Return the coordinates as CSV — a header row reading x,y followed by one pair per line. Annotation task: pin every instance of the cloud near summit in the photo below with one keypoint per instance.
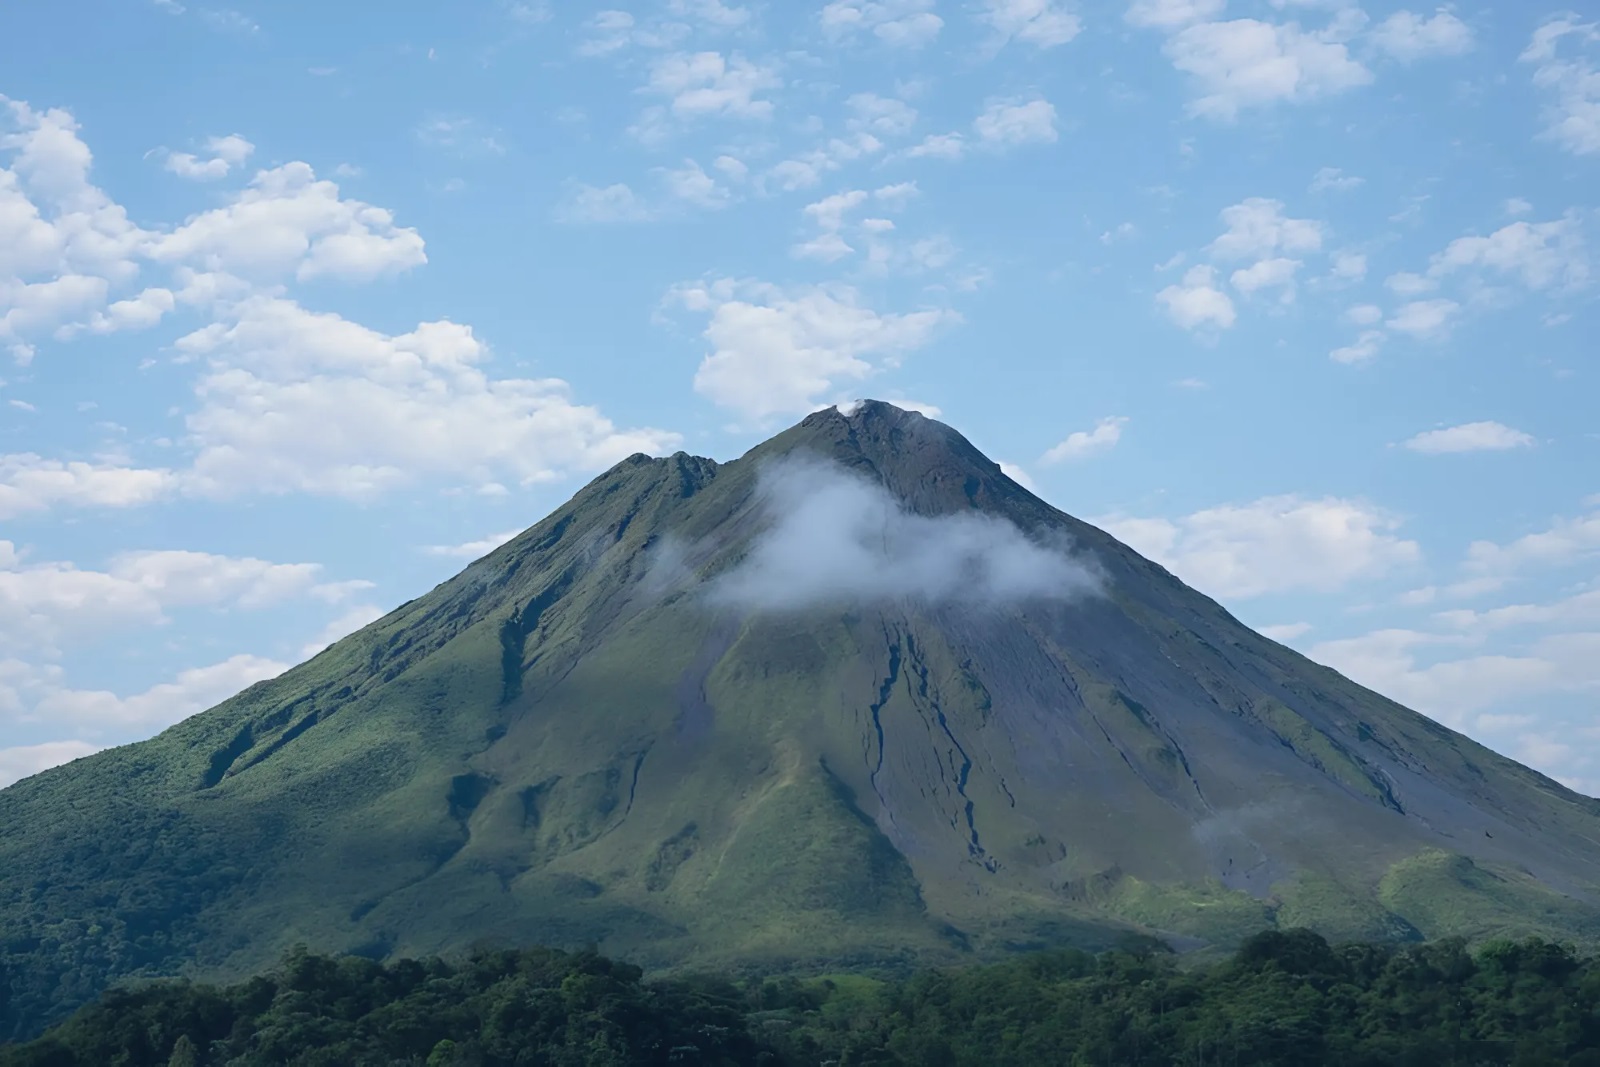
x,y
836,537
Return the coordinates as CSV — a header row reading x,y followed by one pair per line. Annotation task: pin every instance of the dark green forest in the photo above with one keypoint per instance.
x,y
1283,998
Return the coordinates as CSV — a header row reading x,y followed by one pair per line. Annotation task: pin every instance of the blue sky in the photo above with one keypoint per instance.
x,y
303,306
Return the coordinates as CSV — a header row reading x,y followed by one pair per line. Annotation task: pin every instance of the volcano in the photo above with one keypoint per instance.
x,y
853,699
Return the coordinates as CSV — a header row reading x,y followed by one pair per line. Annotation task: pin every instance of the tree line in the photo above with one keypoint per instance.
x,y
1284,997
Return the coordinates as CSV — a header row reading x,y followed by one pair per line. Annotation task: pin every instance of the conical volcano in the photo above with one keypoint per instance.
x,y
854,698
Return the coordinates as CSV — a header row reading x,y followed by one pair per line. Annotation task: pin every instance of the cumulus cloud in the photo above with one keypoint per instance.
x,y
290,223
1469,437
1285,632
64,244
1245,63
882,115
1454,690
898,23
1275,273
1016,122
1196,302
44,603
1084,443
1408,36
704,84
357,411
192,691
472,549
342,626
1541,255
612,203
1272,545
808,168
777,351
1428,320
1172,14
24,761
222,154
1257,226
29,482
836,538
1041,23
1364,348
1570,81
1564,542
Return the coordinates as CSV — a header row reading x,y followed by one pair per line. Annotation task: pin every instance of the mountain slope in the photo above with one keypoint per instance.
x,y
854,698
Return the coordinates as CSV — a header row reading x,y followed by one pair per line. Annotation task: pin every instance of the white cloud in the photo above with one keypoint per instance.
x,y
939,146
607,32
1454,690
1540,255
1018,475
807,169
473,549
1469,437
1572,118
1016,122
613,203
1348,266
1257,226
1567,541
1196,302
162,705
1579,609
1363,314
178,577
223,155
1405,283
690,184
64,245
289,223
1172,14
342,626
882,115
1119,232
1518,206
1286,632
44,604
1408,36
1428,320
776,351
29,482
836,537
828,213
1084,443
1365,347
139,312
1276,273
1332,179
1042,23
1272,545
709,84
357,411
899,23
23,761
1246,63
711,12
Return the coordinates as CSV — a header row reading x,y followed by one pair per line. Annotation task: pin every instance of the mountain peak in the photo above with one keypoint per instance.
x,y
763,713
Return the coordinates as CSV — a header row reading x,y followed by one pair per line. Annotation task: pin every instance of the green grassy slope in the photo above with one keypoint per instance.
x,y
564,745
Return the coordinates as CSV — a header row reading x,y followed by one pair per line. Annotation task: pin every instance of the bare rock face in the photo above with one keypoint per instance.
x,y
854,698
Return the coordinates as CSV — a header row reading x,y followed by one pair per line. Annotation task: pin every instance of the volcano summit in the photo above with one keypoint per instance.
x,y
856,697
